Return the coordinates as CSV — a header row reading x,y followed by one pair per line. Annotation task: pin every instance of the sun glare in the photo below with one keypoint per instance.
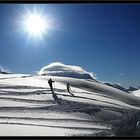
x,y
35,24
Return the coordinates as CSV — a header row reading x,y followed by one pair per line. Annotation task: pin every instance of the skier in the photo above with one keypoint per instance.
x,y
68,89
50,84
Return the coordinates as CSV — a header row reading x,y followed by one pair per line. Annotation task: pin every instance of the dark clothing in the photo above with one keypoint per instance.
x,y
55,97
50,84
68,89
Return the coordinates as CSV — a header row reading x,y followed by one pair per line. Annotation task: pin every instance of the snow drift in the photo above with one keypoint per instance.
x,y
96,109
60,69
136,93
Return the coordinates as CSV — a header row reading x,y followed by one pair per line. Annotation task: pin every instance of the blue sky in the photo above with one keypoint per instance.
x,y
101,38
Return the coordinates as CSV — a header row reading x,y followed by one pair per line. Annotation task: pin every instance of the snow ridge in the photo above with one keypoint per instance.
x,y
60,69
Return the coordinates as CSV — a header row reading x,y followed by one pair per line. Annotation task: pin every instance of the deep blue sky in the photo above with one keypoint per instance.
x,y
101,38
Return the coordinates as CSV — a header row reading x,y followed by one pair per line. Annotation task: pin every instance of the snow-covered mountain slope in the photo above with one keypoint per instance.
x,y
90,86
99,88
27,104
60,69
5,76
117,86
136,93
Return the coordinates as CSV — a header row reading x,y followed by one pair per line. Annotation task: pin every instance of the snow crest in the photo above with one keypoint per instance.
x,y
60,69
136,93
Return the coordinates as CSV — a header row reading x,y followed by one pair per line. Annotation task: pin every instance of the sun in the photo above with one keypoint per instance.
x,y
35,24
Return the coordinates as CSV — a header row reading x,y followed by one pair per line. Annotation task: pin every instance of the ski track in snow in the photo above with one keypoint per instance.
x,y
26,102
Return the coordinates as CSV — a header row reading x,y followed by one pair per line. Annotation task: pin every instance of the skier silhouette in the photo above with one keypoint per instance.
x,y
68,89
50,84
54,95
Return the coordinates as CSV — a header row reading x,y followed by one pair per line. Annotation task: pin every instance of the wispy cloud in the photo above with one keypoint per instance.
x,y
122,74
4,69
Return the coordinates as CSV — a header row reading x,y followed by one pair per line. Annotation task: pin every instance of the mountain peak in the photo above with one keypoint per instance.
x,y
60,69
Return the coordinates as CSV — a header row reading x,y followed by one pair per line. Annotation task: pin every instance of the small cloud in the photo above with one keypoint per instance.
x,y
122,74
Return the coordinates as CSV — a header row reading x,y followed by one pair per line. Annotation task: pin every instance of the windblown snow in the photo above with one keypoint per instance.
x,y
60,69
27,107
136,93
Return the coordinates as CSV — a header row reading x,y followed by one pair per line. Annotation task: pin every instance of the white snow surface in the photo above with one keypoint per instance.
x,y
136,93
27,107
